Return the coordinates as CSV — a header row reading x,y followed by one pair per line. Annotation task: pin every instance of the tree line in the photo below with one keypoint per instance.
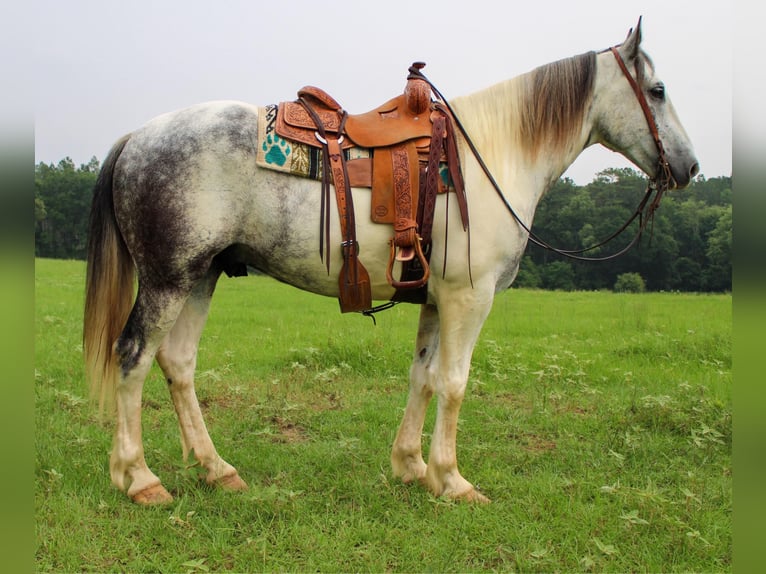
x,y
687,247
63,194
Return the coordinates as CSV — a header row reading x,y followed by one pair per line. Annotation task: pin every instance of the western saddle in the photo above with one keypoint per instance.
x,y
409,138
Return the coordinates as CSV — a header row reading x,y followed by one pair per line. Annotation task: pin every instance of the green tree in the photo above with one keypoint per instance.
x,y
529,274
683,248
62,203
718,272
558,276
629,283
40,212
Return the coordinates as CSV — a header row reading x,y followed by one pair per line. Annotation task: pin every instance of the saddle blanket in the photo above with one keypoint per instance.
x,y
277,153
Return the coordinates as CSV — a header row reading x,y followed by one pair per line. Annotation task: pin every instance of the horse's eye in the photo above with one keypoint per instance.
x,y
658,92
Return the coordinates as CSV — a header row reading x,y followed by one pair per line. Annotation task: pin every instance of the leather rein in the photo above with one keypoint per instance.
x,y
646,208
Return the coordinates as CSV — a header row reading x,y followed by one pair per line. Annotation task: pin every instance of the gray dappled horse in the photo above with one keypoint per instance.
x,y
181,199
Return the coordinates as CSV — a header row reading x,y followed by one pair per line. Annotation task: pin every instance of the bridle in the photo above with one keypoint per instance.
x,y
657,186
664,177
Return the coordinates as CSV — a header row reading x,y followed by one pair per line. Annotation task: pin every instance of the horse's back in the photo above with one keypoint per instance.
x,y
171,146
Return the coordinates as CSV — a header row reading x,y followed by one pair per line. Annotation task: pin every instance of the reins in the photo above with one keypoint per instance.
x,y
644,211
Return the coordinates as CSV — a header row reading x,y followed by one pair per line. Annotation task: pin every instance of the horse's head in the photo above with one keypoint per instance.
x,y
621,123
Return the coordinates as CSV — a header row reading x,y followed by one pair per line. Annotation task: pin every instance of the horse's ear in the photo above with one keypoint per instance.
x,y
629,48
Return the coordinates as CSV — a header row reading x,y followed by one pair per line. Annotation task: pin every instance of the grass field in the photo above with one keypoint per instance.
x,y
599,424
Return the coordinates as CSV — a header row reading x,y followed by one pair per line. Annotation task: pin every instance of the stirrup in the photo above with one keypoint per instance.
x,y
416,283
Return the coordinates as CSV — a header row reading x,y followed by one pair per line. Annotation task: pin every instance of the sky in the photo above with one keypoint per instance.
x,y
100,69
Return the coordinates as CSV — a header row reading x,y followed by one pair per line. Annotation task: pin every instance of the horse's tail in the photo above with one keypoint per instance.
x,y
109,286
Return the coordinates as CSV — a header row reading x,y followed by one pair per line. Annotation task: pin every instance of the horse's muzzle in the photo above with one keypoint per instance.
x,y
682,177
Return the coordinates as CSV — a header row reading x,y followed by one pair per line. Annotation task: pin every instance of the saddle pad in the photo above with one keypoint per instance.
x,y
276,153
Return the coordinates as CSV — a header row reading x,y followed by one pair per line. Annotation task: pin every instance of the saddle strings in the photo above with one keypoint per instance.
x,y
324,213
659,185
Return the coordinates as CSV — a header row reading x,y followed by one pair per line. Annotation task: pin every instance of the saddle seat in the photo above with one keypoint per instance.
x,y
407,136
403,118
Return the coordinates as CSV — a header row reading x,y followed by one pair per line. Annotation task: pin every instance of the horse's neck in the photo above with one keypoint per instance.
x,y
493,121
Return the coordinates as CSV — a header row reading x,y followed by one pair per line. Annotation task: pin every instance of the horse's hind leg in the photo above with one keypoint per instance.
x,y
406,455
177,356
153,314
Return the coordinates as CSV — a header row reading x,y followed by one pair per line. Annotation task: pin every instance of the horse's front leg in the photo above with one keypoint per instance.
x,y
462,315
406,454
177,356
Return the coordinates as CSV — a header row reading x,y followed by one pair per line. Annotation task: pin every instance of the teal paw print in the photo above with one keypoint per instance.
x,y
277,150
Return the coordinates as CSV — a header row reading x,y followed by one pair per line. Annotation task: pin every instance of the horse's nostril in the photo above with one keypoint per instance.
x,y
695,169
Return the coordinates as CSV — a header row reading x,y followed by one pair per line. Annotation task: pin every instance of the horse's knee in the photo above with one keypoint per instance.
x,y
423,376
450,393
421,387
178,376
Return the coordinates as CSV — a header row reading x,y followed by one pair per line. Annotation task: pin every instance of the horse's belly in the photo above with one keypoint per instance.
x,y
282,233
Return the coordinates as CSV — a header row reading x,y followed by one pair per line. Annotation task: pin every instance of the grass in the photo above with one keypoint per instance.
x,y
598,423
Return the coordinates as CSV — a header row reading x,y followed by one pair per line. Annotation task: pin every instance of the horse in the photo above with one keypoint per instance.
x,y
181,199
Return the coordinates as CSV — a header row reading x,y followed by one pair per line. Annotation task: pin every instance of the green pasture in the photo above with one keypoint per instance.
x,y
598,423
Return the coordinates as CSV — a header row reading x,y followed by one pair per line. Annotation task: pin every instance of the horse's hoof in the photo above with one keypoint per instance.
x,y
152,496
411,477
472,496
475,497
415,471
232,482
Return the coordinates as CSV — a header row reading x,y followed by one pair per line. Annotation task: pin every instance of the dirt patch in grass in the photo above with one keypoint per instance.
x,y
533,443
287,431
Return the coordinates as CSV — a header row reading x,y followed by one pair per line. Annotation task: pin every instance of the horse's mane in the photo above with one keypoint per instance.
x,y
542,109
553,100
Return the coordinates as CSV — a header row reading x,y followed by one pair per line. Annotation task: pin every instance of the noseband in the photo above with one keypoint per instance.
x,y
662,181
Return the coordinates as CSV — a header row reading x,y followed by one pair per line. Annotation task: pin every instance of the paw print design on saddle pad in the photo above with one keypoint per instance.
x,y
277,150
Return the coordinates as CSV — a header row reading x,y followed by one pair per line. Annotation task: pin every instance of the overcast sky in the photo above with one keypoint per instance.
x,y
102,68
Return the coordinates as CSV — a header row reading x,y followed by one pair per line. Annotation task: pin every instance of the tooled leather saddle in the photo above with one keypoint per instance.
x,y
410,138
